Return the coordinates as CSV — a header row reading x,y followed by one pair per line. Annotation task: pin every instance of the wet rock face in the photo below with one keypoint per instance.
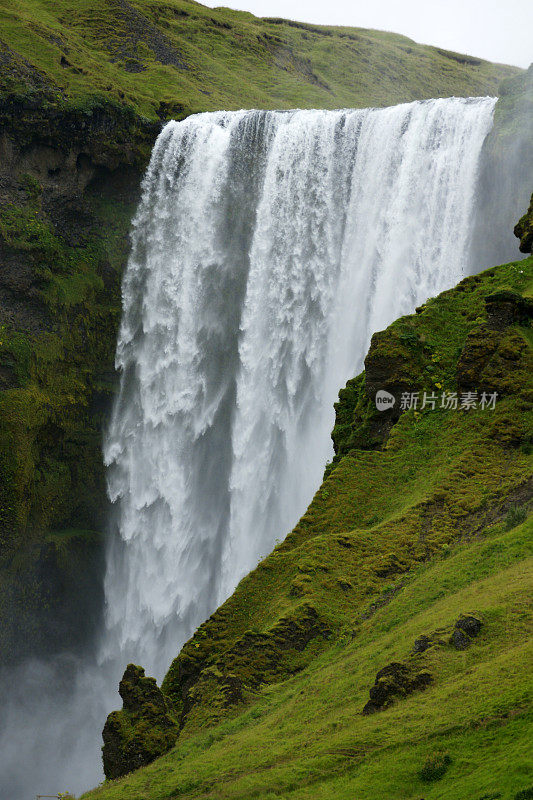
x,y
395,681
524,230
142,731
465,630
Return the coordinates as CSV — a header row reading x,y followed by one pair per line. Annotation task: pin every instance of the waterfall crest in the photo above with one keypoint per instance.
x,y
267,248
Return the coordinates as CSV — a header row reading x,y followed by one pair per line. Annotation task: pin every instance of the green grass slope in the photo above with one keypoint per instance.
x,y
173,57
423,517
306,738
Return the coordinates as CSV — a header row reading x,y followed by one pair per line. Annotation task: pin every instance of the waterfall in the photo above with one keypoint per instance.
x,y
267,248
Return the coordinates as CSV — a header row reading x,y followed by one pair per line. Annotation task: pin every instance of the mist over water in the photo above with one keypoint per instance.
x,y
267,248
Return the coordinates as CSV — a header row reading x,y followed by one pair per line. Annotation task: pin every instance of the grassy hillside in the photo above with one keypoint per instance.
x,y
307,738
173,57
422,521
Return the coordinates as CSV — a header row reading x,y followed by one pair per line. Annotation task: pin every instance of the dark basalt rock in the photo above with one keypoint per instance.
x,y
395,681
422,644
523,230
524,794
506,308
465,630
142,731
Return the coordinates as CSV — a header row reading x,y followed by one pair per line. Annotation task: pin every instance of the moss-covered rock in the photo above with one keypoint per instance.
x,y
506,308
524,230
232,675
68,191
465,631
142,731
393,682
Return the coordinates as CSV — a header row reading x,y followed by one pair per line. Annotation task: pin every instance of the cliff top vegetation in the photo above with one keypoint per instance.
x,y
168,58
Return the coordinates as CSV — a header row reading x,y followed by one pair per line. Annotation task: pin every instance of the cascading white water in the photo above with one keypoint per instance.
x,y
267,248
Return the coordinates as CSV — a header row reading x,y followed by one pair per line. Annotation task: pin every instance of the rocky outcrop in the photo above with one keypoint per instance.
x,y
494,352
524,230
142,731
69,181
465,631
506,308
393,682
252,660
400,679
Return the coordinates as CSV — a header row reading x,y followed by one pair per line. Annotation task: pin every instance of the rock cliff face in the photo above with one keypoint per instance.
x,y
68,185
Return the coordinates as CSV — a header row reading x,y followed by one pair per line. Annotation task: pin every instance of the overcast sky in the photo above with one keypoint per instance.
x,y
498,30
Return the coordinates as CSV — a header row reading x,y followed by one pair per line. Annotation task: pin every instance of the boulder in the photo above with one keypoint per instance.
x,y
422,644
395,681
465,630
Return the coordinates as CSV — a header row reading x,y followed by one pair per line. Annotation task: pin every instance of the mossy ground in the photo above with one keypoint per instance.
x,y
176,57
56,372
399,541
306,737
